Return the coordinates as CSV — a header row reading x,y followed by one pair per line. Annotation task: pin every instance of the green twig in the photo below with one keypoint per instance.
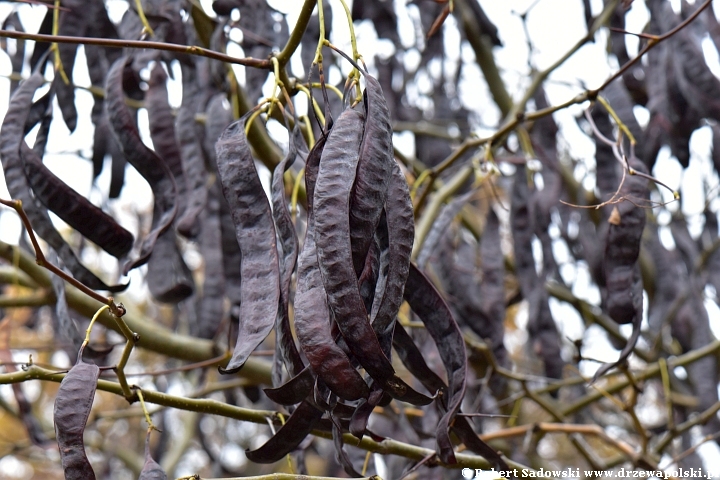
x,y
214,407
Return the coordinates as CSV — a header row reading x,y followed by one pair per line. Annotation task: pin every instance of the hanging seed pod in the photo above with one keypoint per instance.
x,y
151,470
72,409
255,234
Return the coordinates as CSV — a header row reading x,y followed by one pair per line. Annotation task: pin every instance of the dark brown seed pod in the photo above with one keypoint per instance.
x,y
72,408
153,169
73,21
294,390
492,287
374,171
210,305
193,161
302,421
168,277
284,342
312,324
94,224
623,280
332,236
151,470
162,131
398,241
255,233
11,140
231,255
340,455
312,317
414,360
361,415
426,302
369,278
17,58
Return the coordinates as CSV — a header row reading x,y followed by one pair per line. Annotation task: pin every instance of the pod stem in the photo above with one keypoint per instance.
x,y
117,309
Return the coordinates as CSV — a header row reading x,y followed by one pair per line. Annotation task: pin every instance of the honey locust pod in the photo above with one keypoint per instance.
x,y
151,470
152,168
286,349
72,409
14,153
312,314
623,297
338,166
255,235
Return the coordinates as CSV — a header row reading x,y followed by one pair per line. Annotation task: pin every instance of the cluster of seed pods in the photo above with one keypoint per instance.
x,y
353,273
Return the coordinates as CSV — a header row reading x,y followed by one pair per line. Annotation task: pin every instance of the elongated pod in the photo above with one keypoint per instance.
x,y
72,408
255,233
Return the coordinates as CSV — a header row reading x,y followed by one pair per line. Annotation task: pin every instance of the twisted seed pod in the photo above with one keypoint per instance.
x,y
11,142
153,169
296,428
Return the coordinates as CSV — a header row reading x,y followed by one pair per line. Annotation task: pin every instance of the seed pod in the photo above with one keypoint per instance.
x,y
312,325
193,162
210,305
623,280
218,118
40,49
334,253
286,349
541,325
151,470
414,361
340,455
94,224
302,421
370,279
168,277
162,131
72,408
397,241
361,415
440,227
97,69
146,162
11,140
231,256
312,317
73,21
426,302
622,248
606,165
492,288
17,58
374,169
294,390
255,233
